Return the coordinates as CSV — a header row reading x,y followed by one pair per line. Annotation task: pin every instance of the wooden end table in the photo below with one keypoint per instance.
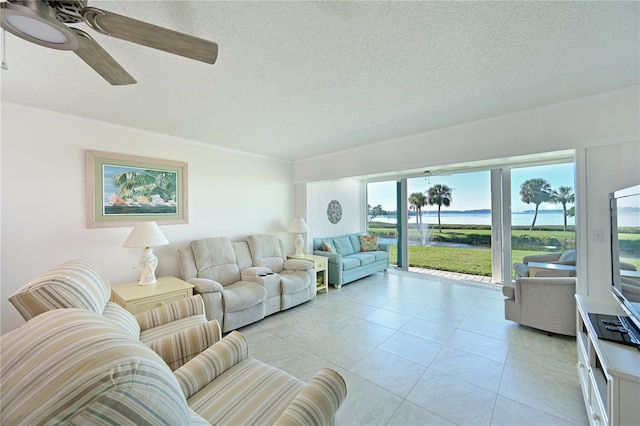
x,y
321,266
139,298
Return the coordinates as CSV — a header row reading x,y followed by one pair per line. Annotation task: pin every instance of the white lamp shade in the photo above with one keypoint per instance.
x,y
298,226
146,234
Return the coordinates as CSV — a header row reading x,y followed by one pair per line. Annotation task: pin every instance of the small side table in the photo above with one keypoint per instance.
x,y
321,266
139,298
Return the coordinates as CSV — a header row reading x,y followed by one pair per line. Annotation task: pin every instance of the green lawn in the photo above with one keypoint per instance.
x,y
463,260
477,261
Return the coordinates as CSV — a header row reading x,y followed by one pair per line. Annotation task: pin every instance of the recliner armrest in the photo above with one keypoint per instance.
x,y
182,346
204,285
298,265
172,311
211,363
317,402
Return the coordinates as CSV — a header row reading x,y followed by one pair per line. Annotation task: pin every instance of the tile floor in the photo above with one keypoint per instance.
x,y
419,349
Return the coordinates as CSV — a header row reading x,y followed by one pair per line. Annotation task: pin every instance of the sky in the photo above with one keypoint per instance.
x,y
472,191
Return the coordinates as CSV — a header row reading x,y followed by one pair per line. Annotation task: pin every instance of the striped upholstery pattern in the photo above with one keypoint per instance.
x,y
72,366
178,348
161,331
227,387
317,402
122,318
171,312
249,393
74,284
211,363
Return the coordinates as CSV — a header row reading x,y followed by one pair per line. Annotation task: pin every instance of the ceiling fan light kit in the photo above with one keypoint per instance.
x,y
36,22
43,22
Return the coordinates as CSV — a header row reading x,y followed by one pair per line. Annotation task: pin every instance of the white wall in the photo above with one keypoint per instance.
x,y
605,118
43,197
350,194
606,127
608,168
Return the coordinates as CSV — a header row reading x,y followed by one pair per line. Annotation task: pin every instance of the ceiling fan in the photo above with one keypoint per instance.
x,y
44,22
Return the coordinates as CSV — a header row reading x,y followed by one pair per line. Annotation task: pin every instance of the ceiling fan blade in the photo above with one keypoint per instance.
x,y
98,59
150,35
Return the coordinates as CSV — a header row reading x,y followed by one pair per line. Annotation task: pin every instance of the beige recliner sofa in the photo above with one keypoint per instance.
x,y
241,282
74,366
545,303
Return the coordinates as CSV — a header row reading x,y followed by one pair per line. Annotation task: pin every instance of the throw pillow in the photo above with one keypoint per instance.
x,y
568,256
326,247
368,242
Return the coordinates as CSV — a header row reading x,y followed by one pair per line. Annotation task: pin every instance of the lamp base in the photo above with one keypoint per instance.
x,y
148,263
299,245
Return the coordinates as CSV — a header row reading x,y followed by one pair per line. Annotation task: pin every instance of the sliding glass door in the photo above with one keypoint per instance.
x,y
478,222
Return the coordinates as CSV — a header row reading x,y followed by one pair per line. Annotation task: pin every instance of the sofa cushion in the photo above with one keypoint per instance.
x,y
380,255
350,262
216,260
266,251
343,245
266,392
364,258
211,363
355,242
242,295
368,242
569,256
294,281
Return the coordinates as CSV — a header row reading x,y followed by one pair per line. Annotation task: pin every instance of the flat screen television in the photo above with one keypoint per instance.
x,y
625,251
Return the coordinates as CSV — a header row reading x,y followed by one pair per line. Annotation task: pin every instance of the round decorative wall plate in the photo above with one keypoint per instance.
x,y
334,211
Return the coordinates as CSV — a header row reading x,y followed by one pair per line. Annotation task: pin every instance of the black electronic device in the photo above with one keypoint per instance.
x,y
624,213
615,328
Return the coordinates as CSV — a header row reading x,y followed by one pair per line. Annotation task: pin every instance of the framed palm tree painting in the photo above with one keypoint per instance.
x,y
124,189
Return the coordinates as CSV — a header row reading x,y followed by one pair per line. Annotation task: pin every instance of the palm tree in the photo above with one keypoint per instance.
x,y
146,183
439,195
564,195
374,212
417,200
536,191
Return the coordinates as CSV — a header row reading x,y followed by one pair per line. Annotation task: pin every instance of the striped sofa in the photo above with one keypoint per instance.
x,y
177,331
75,366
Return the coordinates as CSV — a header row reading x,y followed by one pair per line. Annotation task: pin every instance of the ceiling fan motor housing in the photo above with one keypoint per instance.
x,y
70,11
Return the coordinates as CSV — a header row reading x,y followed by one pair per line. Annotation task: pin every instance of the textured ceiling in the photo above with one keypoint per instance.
x,y
295,80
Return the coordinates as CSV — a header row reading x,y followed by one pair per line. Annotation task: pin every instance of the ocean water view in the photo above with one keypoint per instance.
x,y
483,217
545,217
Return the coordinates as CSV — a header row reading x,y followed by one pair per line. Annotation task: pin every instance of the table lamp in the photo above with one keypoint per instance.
x,y
146,234
298,226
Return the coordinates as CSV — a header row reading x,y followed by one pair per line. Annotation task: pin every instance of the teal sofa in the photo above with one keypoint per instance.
x,y
347,262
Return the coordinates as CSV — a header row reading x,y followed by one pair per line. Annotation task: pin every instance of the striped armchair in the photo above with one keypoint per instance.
x,y
177,331
74,366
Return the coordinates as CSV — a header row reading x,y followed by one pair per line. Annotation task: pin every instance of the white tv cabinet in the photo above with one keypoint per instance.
x,y
609,372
